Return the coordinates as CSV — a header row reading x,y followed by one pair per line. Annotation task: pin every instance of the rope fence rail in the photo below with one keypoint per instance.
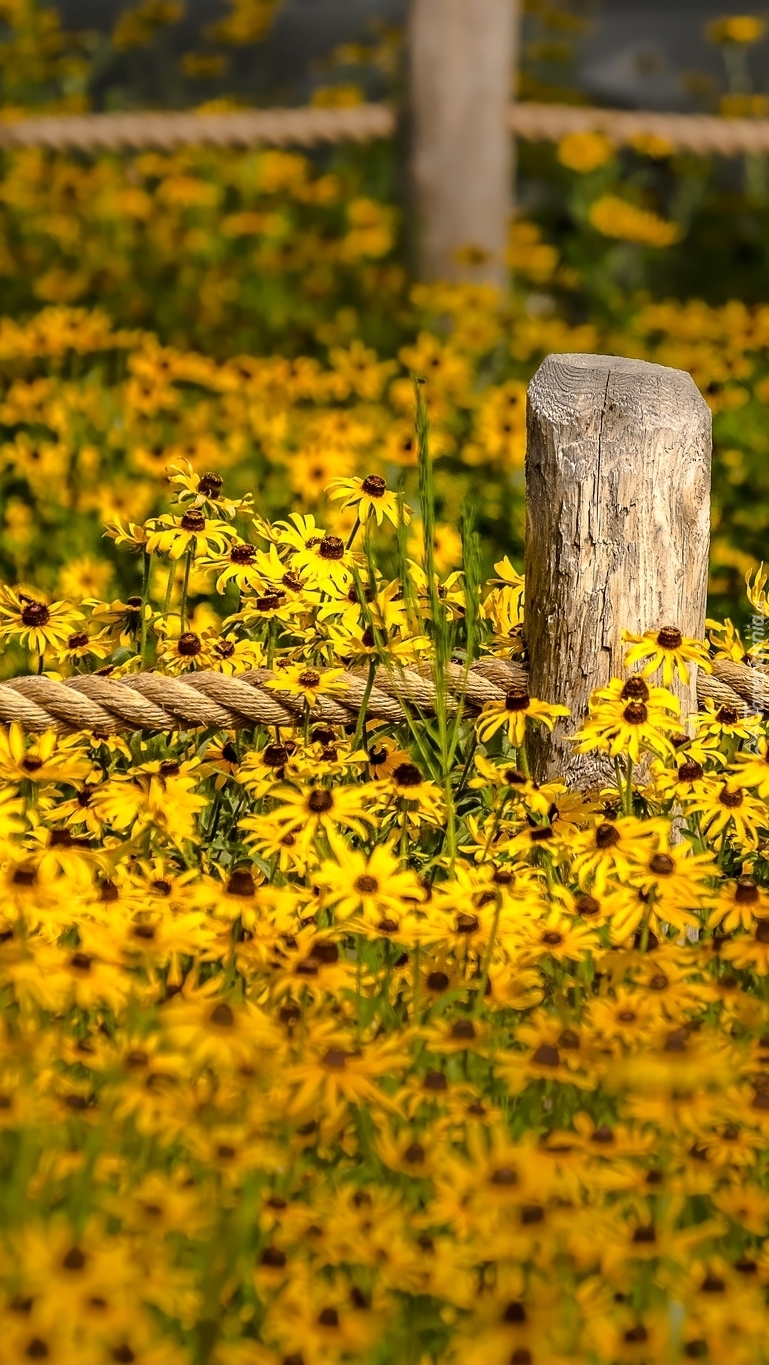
x,y
699,134
155,702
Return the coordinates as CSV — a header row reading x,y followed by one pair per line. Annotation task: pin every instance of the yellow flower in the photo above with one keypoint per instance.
x,y
173,536
33,623
371,498
667,649
302,680
374,885
584,151
615,217
511,715
741,29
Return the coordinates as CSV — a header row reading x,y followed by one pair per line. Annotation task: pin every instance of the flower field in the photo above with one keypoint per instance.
x,y
349,1042
344,1038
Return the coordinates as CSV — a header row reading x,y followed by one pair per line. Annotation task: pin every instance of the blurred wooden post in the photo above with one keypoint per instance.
x,y
617,529
461,58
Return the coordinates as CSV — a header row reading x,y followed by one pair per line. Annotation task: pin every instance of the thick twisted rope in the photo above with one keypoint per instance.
x,y
153,701
700,134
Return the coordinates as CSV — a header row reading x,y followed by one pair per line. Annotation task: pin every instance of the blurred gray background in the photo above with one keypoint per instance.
x,y
633,53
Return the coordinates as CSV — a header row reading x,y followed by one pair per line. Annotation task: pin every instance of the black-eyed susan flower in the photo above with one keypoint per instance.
x,y
667,649
511,715
371,498
626,718
35,624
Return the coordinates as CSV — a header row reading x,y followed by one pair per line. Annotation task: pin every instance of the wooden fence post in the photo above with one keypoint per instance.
x,y
617,529
461,60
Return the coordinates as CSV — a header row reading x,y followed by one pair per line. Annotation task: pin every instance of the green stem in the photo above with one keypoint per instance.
x,y
487,955
360,728
169,588
353,533
145,595
185,586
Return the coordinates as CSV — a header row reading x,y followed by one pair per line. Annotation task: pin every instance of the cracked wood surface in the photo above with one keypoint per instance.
x,y
617,528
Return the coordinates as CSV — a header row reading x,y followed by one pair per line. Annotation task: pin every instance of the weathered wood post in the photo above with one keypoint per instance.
x,y
461,61
617,529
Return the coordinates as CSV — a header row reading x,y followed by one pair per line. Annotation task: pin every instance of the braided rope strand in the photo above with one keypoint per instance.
x,y
214,701
700,134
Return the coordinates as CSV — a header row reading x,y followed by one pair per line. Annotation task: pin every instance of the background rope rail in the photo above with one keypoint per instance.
x,y
700,134
154,701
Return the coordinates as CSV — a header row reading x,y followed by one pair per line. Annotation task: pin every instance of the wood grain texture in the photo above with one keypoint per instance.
x,y
460,64
617,528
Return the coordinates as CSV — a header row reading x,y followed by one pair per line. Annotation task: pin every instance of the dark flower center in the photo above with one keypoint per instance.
x,y
514,1313
552,938
335,1059
36,614
269,603
241,883
635,713
463,1030
603,1135
713,1284
309,678
645,1235
331,547
414,1154
730,799
77,641
546,1055
727,715
407,775
670,637
326,953
607,836
635,689
74,1259
242,554
746,892
467,924
222,1015
169,768
587,906
193,520
275,755
517,701
436,1081
210,485
690,771
320,801
374,485
662,864
328,1318
81,962
189,644
636,1334
273,1257
437,981
504,1176
366,885
762,932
